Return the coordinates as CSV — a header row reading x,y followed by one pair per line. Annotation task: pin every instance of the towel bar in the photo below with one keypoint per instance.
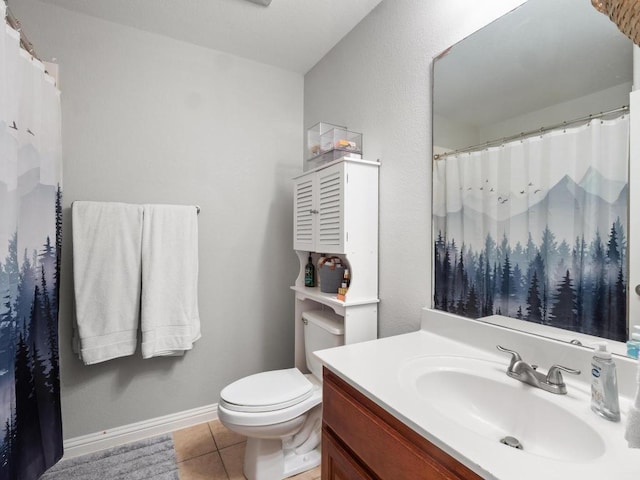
x,y
197,207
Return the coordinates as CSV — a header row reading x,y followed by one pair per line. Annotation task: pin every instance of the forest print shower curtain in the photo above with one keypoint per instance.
x,y
536,229
30,225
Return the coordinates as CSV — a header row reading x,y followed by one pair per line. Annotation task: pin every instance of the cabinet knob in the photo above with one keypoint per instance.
x,y
637,289
313,211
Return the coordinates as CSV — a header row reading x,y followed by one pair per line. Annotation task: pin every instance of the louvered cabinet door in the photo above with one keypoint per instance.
x,y
336,209
330,229
304,213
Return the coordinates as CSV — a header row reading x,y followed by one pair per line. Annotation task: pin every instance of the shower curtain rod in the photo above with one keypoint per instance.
x,y
491,143
16,25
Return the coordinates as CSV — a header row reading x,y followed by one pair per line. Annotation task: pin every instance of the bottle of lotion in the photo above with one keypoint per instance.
x,y
604,384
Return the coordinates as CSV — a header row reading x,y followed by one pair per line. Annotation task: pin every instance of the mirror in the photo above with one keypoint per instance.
x,y
541,65
528,69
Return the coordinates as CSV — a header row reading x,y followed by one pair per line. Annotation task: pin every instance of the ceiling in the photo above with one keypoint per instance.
x,y
290,34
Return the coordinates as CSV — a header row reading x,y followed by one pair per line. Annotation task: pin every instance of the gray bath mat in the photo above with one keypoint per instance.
x,y
153,458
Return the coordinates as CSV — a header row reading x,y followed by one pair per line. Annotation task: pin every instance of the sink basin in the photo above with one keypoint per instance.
x,y
478,396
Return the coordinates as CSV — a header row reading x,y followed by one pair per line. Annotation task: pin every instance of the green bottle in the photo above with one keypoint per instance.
x,y
309,274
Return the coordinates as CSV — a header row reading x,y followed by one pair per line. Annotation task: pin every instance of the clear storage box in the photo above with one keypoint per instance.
x,y
313,137
342,140
327,142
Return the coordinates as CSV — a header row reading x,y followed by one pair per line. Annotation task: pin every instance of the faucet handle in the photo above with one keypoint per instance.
x,y
554,376
515,356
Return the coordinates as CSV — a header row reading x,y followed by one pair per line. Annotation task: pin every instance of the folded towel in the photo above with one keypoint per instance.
x,y
632,433
169,304
106,272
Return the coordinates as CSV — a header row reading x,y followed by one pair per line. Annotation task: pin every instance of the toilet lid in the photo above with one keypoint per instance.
x,y
267,391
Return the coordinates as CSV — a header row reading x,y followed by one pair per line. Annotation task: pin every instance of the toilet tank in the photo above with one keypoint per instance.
x,y
322,329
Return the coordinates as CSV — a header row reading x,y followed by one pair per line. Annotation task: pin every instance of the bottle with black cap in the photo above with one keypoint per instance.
x,y
309,273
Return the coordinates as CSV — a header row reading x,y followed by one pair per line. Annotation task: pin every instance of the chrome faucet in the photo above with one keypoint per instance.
x,y
551,382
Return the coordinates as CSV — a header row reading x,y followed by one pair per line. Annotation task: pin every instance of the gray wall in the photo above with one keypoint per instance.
x,y
377,81
147,119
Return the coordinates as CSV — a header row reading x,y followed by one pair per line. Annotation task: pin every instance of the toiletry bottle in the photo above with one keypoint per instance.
x,y
342,292
347,277
633,345
604,384
309,274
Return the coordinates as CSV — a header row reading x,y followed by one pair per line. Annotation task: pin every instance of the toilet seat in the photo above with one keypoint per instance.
x,y
267,391
298,394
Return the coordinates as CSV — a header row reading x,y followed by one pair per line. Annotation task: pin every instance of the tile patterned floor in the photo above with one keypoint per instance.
x,y
211,452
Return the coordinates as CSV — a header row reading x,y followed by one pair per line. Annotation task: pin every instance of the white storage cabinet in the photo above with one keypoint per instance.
x,y
336,212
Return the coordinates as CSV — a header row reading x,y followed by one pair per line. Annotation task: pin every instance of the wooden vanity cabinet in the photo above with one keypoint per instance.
x,y
361,440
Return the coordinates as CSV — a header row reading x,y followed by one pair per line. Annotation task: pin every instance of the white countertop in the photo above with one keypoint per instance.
x,y
374,369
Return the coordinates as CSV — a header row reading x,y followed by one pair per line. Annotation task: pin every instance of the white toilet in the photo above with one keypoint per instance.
x,y
280,412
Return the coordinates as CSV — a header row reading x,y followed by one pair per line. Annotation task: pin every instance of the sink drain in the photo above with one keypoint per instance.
x,y
512,442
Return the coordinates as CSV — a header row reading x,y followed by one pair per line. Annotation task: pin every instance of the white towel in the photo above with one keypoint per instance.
x,y
106,272
169,305
632,434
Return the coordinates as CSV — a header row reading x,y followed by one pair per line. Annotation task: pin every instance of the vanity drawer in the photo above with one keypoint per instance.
x,y
378,442
338,463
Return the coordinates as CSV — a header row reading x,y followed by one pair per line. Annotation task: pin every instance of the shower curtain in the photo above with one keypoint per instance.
x,y
536,229
30,226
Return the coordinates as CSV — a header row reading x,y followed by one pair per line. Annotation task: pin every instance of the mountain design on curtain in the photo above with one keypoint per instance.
x,y
30,244
536,230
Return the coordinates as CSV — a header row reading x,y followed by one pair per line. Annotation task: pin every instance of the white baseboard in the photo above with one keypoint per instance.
x,y
133,432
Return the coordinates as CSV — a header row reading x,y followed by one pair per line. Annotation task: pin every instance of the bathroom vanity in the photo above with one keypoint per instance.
x,y
437,403
361,440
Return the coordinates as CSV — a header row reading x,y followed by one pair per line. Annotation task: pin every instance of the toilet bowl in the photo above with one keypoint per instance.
x,y
280,411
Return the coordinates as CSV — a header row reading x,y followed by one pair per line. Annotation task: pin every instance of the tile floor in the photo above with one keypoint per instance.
x,y
211,452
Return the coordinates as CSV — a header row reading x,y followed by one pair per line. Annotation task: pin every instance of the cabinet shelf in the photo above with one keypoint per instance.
x,y
329,299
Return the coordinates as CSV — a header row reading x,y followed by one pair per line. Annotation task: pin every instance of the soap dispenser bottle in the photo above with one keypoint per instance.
x,y
633,345
604,384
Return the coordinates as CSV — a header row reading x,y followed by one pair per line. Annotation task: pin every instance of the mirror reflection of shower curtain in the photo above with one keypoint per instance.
x,y
536,229
30,223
